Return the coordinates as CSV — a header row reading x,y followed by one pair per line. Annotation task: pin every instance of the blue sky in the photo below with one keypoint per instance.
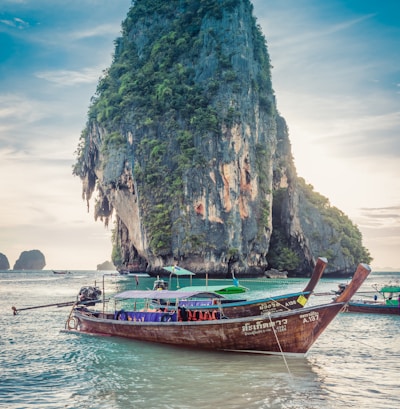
x,y
336,76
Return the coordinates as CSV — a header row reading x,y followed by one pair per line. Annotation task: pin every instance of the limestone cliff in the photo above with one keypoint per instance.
x,y
30,260
185,145
107,265
4,263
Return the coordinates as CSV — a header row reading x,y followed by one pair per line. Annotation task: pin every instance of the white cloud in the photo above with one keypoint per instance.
x,y
66,78
15,23
14,108
108,30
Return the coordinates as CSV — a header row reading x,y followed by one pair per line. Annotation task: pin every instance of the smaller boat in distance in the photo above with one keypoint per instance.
x,y
288,332
176,271
61,272
386,301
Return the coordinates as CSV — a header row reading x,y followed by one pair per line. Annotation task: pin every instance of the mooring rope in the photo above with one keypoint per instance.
x,y
71,319
279,345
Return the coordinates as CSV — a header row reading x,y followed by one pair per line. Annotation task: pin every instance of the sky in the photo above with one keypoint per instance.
x,y
336,76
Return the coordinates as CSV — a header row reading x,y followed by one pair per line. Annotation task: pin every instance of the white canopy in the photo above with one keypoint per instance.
x,y
165,294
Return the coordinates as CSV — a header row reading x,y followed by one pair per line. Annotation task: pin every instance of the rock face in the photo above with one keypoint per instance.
x,y
107,265
275,274
184,143
4,264
30,260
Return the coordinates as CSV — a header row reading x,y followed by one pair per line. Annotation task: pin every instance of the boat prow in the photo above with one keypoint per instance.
x,y
359,277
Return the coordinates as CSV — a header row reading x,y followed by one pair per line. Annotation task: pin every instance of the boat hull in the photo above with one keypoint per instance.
x,y
290,332
257,307
372,308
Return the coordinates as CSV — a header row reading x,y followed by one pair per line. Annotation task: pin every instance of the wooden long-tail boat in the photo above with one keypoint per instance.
x,y
232,308
388,304
285,332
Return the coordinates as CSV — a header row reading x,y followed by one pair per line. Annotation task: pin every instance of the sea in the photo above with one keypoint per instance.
x,y
355,363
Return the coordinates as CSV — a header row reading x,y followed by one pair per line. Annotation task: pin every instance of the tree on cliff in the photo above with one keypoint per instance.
x,y
185,144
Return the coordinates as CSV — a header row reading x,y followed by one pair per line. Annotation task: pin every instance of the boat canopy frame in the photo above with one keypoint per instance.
x,y
178,272
164,294
222,289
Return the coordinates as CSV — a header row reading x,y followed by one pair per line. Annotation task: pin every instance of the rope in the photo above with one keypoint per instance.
x,y
221,311
67,323
279,345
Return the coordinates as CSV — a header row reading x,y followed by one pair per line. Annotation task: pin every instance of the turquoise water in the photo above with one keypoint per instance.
x,y
354,364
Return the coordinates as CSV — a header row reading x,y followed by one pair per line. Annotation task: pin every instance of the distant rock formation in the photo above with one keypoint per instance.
x,y
30,260
4,264
273,273
107,265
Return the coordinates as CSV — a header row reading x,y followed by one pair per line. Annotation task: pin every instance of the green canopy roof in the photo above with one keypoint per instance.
x,y
219,289
390,289
178,271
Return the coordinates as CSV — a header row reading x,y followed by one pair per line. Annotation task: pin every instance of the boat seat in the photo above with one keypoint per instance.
x,y
144,316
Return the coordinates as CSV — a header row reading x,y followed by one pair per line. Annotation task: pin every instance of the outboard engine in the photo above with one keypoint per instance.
x,y
88,293
341,288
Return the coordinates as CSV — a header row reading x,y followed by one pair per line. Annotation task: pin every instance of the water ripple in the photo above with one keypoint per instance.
x,y
354,364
